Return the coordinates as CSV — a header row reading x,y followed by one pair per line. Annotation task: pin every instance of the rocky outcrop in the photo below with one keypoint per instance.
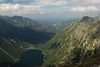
x,y
86,18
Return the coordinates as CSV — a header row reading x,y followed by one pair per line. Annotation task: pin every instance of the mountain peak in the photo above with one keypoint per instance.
x,y
86,18
17,17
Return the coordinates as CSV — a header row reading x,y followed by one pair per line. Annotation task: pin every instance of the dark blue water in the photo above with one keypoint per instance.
x,y
32,58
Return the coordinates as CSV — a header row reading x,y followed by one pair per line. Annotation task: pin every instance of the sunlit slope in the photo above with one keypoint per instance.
x,y
74,42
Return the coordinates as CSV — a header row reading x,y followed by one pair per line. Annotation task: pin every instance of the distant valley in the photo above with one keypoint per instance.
x,y
18,34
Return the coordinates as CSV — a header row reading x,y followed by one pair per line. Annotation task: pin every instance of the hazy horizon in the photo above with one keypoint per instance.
x,y
50,9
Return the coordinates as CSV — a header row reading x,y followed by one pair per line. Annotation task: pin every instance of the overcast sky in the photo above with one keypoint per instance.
x,y
52,8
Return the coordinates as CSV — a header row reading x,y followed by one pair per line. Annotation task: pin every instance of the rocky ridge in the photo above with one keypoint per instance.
x,y
74,42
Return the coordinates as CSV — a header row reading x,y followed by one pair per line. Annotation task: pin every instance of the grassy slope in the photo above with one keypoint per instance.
x,y
73,43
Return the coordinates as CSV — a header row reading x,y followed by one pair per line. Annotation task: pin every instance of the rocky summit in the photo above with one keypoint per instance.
x,y
86,18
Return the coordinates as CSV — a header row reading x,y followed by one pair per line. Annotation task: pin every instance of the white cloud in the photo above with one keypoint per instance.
x,y
54,12
42,12
58,3
9,7
19,0
85,9
65,7
2,0
75,9
15,9
49,2
93,8
92,2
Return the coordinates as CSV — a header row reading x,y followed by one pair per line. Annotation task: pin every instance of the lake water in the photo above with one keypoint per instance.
x,y
32,58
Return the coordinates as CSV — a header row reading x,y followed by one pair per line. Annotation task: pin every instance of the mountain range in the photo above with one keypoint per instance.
x,y
75,45
20,21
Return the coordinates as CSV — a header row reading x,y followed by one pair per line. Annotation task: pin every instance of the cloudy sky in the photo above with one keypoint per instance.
x,y
52,8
